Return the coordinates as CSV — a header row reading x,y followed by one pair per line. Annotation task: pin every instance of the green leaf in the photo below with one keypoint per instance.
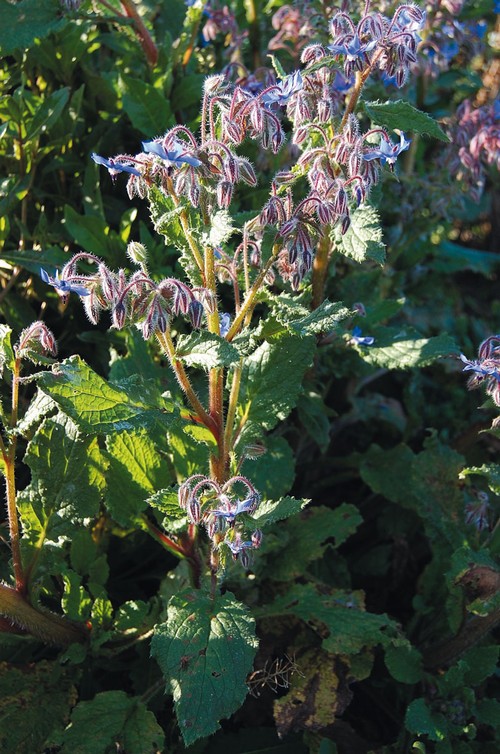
x,y
363,239
487,712
67,483
97,406
491,472
300,320
136,470
403,116
280,71
404,662
307,536
386,472
24,22
46,690
49,111
482,662
189,90
167,502
451,257
88,231
206,350
271,379
148,110
280,458
337,614
33,260
205,650
6,351
421,720
313,415
405,349
269,512
221,229
110,720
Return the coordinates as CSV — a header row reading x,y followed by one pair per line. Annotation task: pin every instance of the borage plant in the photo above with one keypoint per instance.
x,y
189,455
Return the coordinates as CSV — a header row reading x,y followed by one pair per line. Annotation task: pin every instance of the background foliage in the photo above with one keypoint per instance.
x,y
366,621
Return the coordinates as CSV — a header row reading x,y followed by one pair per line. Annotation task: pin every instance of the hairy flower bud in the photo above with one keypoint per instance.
x,y
137,252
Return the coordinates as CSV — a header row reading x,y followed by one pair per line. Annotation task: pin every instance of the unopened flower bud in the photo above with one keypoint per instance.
x,y
195,314
118,315
193,511
256,538
137,252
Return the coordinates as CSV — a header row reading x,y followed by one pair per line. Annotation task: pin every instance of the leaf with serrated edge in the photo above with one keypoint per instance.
x,y
205,650
271,379
403,116
269,512
112,718
95,405
406,349
363,239
206,350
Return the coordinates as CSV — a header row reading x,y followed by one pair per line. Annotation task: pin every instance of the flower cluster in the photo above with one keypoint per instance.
x,y
219,510
486,368
377,42
35,340
476,133
136,299
445,37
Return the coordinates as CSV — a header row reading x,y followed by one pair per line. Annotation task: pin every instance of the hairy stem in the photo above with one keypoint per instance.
x,y
232,405
46,626
145,39
249,301
10,485
471,633
320,270
216,378
165,340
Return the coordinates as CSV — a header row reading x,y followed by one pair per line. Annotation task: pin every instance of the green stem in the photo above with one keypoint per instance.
x,y
249,301
166,342
10,484
48,627
184,220
320,270
218,463
231,409
472,632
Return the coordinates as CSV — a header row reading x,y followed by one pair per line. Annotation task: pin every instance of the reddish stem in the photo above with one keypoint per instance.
x,y
147,44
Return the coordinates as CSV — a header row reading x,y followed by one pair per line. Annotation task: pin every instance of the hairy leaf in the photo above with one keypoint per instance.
x,y
271,379
46,690
349,628
363,239
206,350
205,650
149,111
97,406
136,469
24,22
406,349
403,116
109,721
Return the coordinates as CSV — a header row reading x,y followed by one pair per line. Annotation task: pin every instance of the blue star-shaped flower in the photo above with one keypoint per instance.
x,y
115,167
176,155
64,287
361,340
388,152
479,369
281,92
353,49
